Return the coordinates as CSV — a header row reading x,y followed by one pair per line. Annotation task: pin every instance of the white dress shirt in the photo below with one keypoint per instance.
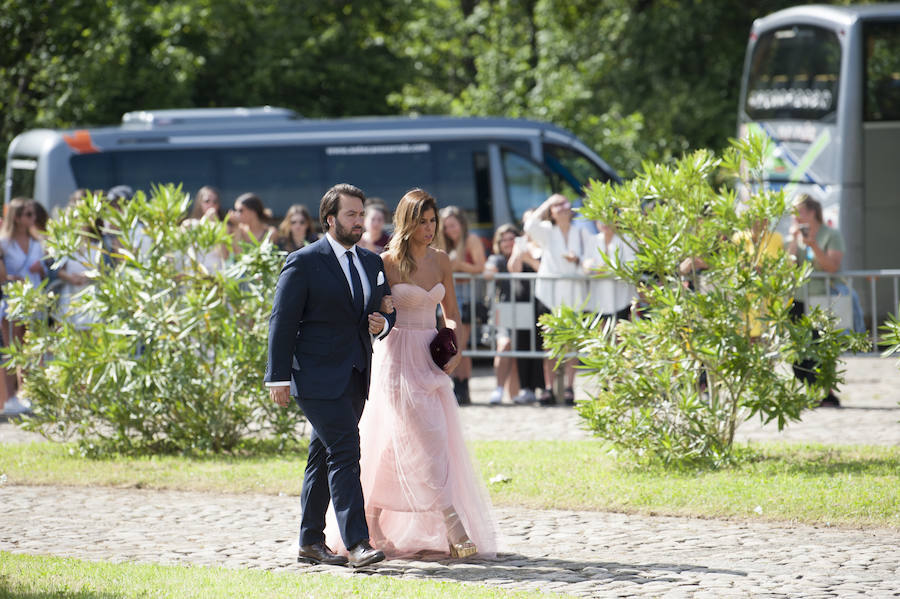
x,y
340,251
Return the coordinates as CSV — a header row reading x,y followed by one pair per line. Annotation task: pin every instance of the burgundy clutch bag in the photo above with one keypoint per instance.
x,y
443,347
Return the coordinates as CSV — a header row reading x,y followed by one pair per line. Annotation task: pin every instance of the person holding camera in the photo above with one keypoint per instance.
x,y
811,240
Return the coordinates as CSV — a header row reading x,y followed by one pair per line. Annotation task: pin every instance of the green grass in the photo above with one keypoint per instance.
x,y
816,484
41,577
846,485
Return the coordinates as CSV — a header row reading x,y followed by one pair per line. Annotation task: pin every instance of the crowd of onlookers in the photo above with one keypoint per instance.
x,y
551,244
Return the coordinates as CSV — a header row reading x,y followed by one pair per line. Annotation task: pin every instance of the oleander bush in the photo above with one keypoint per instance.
x,y
174,356
891,335
675,383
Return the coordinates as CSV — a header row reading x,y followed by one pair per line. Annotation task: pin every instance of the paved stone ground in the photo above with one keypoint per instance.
x,y
584,554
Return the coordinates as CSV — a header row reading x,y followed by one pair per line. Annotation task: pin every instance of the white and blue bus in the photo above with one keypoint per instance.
x,y
823,83
492,168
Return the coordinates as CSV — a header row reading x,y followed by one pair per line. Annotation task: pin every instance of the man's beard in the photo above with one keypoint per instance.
x,y
345,236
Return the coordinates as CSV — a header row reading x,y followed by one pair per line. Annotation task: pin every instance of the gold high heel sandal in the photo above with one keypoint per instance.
x,y
461,547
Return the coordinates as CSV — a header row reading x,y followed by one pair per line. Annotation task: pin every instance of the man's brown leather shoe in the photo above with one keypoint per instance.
x,y
318,553
364,554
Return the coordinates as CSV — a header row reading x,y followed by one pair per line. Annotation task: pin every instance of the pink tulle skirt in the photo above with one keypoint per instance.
x,y
415,465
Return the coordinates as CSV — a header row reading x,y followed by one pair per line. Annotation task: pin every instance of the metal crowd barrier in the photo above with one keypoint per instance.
x,y
877,296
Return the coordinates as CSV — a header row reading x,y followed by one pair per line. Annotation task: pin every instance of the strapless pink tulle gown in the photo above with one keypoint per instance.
x,y
415,464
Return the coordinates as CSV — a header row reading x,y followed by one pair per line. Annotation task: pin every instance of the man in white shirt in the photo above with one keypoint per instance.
x,y
324,317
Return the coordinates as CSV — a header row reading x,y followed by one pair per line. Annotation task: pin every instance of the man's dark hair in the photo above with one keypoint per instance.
x,y
331,201
810,204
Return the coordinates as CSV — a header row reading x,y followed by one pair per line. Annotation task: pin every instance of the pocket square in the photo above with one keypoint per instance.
x,y
379,280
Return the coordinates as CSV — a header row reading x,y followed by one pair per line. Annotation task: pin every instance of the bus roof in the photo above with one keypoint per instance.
x,y
158,122
158,129
177,116
822,13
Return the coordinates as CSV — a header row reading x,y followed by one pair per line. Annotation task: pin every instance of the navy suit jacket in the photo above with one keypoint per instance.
x,y
315,336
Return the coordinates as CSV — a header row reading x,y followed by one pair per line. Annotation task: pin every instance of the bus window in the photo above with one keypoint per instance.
x,y
386,171
794,74
527,184
93,171
882,97
573,167
22,177
279,175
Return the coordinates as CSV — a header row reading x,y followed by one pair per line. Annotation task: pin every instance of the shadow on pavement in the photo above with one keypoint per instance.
x,y
520,568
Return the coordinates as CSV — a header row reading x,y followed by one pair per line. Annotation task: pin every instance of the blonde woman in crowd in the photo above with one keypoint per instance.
x,y
466,256
22,257
207,205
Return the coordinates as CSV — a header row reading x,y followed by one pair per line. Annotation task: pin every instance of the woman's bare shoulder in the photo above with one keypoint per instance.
x,y
438,256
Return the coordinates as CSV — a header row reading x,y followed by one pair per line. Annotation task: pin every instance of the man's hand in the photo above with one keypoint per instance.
x,y
281,395
376,323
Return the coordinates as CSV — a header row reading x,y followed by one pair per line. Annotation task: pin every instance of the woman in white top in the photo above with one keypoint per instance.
x,y
607,295
563,246
22,256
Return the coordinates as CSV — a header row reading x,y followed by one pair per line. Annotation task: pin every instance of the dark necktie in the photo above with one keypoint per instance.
x,y
357,284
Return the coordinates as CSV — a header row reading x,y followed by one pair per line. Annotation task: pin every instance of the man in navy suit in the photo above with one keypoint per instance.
x,y
324,319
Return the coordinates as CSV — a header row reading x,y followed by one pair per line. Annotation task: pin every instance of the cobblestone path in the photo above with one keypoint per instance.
x,y
582,554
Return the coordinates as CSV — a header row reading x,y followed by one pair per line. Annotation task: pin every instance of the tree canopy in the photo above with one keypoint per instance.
x,y
636,79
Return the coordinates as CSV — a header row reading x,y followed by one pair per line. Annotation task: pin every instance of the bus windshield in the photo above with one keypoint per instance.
x,y
794,74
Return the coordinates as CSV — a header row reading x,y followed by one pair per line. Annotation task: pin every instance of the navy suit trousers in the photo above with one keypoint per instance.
x,y
332,469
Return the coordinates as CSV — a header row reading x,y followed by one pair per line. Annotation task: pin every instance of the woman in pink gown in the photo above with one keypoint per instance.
x,y
422,493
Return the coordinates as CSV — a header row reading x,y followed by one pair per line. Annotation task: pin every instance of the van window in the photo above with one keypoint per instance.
x,y
454,172
386,171
527,184
280,176
140,169
572,167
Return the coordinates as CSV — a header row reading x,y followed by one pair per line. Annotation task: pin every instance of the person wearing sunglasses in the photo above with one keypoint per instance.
x,y
296,230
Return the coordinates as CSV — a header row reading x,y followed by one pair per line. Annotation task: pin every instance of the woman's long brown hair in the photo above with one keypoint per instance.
x,y
412,206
